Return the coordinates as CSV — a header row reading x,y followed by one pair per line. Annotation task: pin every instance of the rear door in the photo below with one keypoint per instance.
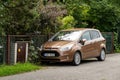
x,y
96,42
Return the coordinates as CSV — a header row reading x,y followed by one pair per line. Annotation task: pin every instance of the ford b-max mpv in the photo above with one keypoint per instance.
x,y
74,45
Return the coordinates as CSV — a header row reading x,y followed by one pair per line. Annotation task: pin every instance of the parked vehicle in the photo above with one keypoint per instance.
x,y
74,45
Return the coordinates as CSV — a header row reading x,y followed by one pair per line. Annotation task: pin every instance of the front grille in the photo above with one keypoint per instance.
x,y
55,52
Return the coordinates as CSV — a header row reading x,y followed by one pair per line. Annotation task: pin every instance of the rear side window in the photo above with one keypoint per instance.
x,y
86,35
94,34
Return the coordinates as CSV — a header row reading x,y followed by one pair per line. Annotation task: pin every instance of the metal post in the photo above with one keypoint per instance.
x,y
8,50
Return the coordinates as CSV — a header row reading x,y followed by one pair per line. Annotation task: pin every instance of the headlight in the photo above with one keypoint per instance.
x,y
66,47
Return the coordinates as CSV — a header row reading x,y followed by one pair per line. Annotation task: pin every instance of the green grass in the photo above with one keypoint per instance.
x,y
6,70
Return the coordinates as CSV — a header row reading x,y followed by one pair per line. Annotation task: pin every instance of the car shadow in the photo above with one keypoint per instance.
x,y
68,63
88,61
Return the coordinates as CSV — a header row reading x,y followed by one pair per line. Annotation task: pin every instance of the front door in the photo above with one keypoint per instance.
x,y
87,48
21,52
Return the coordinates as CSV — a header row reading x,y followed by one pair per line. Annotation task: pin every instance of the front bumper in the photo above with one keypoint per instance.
x,y
59,56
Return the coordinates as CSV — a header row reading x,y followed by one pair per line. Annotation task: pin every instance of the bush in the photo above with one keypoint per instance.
x,y
33,56
116,45
67,22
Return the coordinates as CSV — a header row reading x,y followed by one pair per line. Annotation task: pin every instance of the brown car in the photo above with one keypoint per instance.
x,y
74,45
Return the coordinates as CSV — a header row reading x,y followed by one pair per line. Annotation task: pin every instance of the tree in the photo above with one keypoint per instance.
x,y
99,14
49,18
103,15
2,19
17,15
67,22
79,10
24,16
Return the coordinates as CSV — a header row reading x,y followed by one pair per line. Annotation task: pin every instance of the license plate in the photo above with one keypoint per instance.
x,y
49,54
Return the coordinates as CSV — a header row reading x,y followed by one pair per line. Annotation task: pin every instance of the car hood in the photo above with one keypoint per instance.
x,y
56,44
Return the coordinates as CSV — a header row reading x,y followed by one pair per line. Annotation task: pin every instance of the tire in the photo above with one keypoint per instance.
x,y
76,59
102,55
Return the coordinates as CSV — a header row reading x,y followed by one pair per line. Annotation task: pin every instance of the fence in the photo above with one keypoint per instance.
x,y
6,44
109,36
38,40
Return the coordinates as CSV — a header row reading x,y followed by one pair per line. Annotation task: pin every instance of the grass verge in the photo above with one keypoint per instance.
x,y
6,70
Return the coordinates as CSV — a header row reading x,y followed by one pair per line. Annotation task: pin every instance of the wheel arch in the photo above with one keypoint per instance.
x,y
79,53
103,46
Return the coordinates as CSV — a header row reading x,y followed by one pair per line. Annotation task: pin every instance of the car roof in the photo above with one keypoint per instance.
x,y
77,29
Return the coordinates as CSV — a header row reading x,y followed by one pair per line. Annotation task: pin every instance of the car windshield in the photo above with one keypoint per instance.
x,y
66,35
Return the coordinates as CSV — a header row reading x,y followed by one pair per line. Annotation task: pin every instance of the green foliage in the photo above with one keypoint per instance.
x,y
2,19
17,15
79,10
3,47
2,31
49,17
115,2
6,70
99,14
67,22
24,16
116,45
33,56
103,15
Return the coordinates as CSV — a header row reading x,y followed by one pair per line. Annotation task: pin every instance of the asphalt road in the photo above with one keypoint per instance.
x,y
88,70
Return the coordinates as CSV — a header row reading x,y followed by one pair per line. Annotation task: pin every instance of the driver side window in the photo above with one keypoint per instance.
x,y
86,36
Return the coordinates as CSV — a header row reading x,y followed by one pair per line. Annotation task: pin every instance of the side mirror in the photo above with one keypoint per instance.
x,y
83,41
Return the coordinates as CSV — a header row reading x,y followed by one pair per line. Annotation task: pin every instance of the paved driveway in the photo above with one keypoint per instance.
x,y
88,70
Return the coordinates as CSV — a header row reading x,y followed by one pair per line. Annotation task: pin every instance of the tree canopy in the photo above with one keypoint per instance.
x,y
28,16
101,14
